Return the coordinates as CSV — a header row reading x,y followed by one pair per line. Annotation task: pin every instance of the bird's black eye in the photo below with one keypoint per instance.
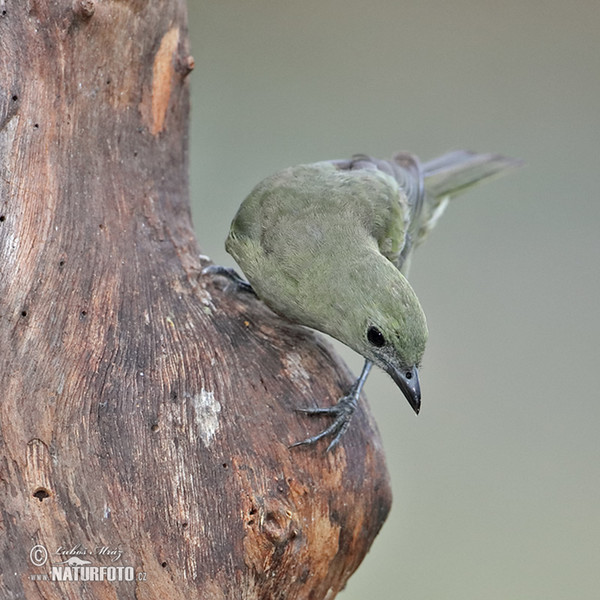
x,y
375,337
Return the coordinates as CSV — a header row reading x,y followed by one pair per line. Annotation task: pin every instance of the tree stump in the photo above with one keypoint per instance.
x,y
146,412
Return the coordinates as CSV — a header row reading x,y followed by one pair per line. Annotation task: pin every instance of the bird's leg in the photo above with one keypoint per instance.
x,y
241,284
342,411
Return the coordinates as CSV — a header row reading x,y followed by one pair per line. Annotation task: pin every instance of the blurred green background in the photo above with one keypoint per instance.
x,y
497,482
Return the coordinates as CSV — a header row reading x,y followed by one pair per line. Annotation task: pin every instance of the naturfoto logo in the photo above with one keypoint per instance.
x,y
75,563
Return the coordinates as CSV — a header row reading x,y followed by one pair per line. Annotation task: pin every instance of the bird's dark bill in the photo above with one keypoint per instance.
x,y
408,381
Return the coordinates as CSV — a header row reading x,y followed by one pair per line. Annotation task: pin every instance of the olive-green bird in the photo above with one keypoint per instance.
x,y
328,245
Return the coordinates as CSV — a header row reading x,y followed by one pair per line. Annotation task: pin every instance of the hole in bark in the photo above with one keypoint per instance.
x,y
2,218
224,465
15,98
41,494
23,313
101,225
83,314
251,512
184,524
163,564
36,125
154,427
304,576
61,263
3,13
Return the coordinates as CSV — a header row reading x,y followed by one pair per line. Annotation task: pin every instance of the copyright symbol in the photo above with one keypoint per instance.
x,y
38,555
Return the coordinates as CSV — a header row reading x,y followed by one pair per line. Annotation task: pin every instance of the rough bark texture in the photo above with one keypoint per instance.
x,y
144,408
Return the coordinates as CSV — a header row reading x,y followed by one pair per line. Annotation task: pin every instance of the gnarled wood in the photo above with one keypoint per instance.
x,y
146,412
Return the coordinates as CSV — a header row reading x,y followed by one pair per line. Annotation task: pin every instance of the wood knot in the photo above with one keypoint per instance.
x,y
186,65
278,527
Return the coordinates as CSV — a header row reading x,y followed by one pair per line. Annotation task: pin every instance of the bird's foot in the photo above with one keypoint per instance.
x,y
240,284
342,413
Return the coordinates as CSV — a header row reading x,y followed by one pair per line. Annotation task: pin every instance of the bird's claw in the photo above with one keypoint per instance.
x,y
241,284
342,411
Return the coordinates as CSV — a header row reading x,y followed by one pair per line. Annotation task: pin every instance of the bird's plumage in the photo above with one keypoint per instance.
x,y
309,241
328,245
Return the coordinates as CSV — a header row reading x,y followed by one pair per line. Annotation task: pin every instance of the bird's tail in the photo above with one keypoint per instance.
x,y
446,177
455,172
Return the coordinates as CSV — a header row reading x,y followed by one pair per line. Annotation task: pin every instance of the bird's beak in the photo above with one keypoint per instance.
x,y
408,381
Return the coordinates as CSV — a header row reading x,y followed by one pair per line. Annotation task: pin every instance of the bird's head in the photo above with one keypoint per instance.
x,y
389,329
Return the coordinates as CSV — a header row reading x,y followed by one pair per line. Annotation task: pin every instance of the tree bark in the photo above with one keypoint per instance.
x,y
145,412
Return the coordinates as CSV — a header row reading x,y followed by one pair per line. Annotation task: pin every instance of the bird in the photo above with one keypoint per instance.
x,y
328,245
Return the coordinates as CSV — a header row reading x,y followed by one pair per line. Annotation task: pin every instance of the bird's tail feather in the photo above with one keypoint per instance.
x,y
455,172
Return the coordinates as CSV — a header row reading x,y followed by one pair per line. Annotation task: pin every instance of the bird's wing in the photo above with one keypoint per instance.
x,y
428,188
392,224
